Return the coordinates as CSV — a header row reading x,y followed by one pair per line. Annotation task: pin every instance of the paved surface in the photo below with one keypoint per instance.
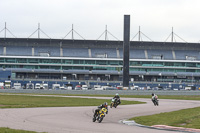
x,y
79,119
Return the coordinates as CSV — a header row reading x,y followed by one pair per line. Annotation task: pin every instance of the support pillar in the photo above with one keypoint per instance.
x,y
126,45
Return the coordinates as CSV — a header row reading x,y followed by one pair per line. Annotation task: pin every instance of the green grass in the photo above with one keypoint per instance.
x,y
24,101
188,118
177,97
8,130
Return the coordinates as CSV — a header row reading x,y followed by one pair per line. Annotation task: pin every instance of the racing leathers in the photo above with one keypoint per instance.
x,y
117,97
154,97
99,108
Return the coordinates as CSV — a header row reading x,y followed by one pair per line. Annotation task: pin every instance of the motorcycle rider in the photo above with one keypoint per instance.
x,y
104,105
154,97
117,97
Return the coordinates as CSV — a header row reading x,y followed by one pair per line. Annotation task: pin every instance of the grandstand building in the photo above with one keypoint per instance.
x,y
98,60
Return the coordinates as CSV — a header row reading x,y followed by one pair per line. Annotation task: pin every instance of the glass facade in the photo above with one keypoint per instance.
x,y
99,64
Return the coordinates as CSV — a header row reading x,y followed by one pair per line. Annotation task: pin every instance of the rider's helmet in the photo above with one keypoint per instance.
x,y
105,104
152,94
117,94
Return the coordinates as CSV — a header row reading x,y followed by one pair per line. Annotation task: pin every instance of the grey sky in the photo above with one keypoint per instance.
x,y
156,18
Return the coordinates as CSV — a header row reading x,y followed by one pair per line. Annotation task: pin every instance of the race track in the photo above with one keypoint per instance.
x,y
79,119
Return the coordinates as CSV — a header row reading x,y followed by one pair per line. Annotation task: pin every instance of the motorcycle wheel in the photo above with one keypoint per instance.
x,y
100,119
154,102
94,119
157,103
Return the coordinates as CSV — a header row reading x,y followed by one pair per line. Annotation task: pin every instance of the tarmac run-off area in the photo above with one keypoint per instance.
x,y
79,119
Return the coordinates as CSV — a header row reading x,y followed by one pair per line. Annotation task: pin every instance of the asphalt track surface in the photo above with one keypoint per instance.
x,y
79,119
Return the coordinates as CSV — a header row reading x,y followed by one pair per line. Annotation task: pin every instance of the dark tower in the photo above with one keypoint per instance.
x,y
126,45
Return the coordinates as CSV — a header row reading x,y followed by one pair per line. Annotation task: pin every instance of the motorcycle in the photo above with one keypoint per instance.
x,y
155,101
100,115
114,103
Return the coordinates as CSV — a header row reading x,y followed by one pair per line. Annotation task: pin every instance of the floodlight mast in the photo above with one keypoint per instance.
x,y
172,34
38,30
126,45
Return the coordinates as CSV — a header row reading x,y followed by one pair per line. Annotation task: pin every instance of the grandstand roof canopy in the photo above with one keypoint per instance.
x,y
98,43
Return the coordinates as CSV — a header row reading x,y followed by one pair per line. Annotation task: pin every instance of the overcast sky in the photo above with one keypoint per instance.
x,y
89,17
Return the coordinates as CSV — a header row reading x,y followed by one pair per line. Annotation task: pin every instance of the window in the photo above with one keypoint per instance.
x,y
76,62
190,64
89,61
2,60
113,62
44,61
99,62
33,60
22,60
67,61
179,64
169,64
10,60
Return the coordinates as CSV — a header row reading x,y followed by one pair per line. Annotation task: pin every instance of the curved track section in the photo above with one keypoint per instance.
x,y
79,119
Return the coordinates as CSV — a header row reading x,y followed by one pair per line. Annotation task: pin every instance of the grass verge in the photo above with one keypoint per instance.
x,y
176,97
188,118
24,101
8,130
